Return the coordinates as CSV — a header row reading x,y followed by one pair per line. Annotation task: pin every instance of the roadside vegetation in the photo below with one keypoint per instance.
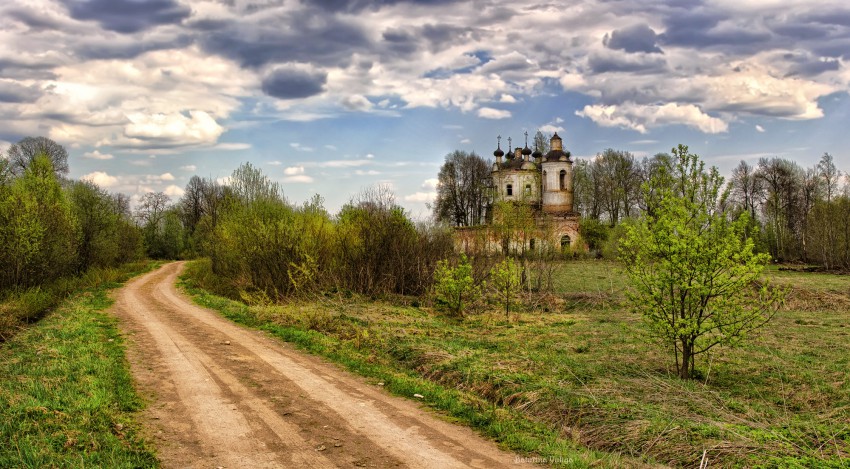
x,y
579,370
66,397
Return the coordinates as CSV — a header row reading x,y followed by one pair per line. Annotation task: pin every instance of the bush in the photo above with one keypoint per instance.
x,y
454,286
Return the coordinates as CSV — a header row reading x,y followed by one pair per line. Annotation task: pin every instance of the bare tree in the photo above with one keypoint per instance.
x,y
462,196
22,153
747,188
830,175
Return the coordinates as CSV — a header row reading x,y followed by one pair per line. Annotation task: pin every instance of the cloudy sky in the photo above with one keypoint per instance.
x,y
331,96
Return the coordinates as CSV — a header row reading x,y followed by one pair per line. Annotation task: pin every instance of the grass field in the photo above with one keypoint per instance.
x,y
577,382
66,396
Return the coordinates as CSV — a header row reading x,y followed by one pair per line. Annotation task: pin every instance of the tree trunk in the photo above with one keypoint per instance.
x,y
685,367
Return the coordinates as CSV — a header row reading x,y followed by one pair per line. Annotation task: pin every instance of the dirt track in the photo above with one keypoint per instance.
x,y
224,396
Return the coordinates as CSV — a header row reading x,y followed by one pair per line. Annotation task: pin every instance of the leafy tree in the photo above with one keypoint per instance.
x,y
694,270
22,154
37,241
594,233
462,195
454,285
505,281
97,225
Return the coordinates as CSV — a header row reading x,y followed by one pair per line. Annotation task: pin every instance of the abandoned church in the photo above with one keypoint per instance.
x,y
538,184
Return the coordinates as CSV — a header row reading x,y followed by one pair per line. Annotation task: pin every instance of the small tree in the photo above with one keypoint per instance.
x,y
455,286
505,281
694,271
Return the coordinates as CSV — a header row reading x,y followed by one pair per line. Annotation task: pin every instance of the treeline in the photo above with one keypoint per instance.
x,y
262,247
801,214
53,229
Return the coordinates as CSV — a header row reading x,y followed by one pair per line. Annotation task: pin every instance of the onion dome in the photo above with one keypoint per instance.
x,y
526,151
537,154
498,153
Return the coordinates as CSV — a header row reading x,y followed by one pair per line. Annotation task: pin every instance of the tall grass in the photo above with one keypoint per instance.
x,y
66,395
25,306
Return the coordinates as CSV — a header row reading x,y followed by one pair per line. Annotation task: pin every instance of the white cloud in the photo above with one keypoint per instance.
x,y
331,147
293,170
232,146
274,163
224,181
101,178
369,156
189,167
199,127
166,177
759,128
300,147
97,155
506,98
465,140
421,197
430,183
642,117
357,102
298,179
370,172
174,191
490,113
551,129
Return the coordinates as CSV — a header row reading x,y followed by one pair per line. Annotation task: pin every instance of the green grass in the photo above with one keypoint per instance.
x,y
66,396
578,372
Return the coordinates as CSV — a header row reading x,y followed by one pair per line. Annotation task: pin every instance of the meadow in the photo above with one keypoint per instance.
x,y
572,378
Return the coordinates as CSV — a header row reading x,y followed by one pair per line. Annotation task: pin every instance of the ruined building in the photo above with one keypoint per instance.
x,y
543,183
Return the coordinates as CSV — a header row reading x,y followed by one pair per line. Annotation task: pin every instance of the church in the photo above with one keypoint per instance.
x,y
541,182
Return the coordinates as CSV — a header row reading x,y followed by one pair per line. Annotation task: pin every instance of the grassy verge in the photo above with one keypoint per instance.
x,y
579,372
345,339
66,396
18,308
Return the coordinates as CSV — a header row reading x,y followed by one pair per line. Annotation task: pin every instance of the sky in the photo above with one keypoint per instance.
x,y
330,97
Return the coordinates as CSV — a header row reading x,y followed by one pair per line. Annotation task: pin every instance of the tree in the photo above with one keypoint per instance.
x,y
694,271
454,285
746,187
830,175
462,195
97,225
541,142
21,155
504,278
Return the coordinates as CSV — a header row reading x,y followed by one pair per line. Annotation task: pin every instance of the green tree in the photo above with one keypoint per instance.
x,y
454,285
694,271
505,281
37,241
97,225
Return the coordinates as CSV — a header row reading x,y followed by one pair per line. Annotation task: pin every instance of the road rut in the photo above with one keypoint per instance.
x,y
225,396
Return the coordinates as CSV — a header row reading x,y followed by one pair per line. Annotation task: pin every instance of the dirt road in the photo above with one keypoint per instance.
x,y
224,396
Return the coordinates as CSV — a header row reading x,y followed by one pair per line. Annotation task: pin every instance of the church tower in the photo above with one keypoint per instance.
x,y
557,179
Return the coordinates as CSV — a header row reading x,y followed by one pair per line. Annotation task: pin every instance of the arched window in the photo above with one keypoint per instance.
x,y
531,244
544,181
563,179
565,241
528,189
509,189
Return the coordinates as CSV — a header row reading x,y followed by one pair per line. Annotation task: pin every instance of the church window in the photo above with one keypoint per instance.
x,y
544,181
528,189
563,179
565,241
509,189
